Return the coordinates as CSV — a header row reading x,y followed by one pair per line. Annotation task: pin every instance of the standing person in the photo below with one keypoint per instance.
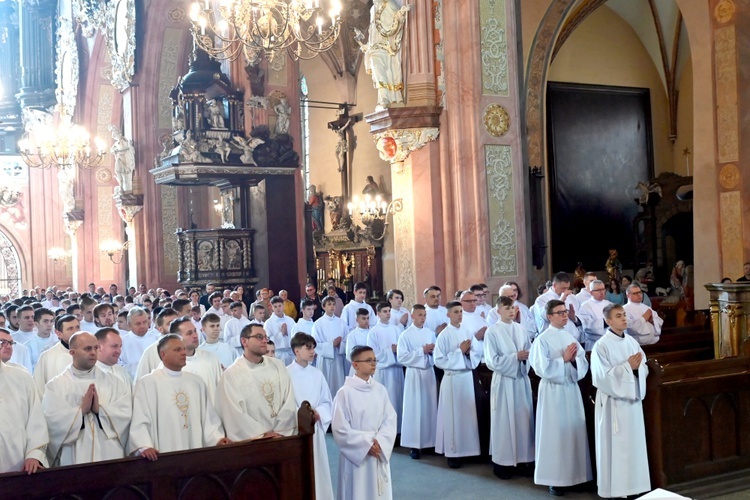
x,y
23,430
279,329
54,360
329,332
349,314
110,348
339,303
310,385
458,355
305,322
364,428
619,371
436,314
205,299
562,451
167,397
203,363
137,341
399,315
644,324
88,411
255,397
560,290
289,308
44,324
150,359
211,326
614,294
358,336
482,308
383,338
234,326
506,351
591,313
311,294
415,351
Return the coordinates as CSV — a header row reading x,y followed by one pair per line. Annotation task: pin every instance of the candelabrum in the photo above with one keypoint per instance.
x,y
226,28
374,212
56,254
114,249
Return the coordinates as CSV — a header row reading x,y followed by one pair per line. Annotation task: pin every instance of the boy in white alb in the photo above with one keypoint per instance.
x,y
279,328
415,347
329,331
305,323
310,385
364,428
383,338
211,326
399,315
234,326
349,314
358,336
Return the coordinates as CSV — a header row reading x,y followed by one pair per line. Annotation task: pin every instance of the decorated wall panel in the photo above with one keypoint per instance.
x,y
500,195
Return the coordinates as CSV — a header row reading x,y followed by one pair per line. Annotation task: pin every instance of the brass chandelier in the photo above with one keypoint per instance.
x,y
265,27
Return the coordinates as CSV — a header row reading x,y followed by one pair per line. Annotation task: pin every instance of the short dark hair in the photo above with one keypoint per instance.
x,y
504,301
248,330
164,313
101,333
307,303
476,288
174,326
23,309
551,306
277,300
453,303
561,278
328,299
102,308
59,322
431,288
609,308
235,305
363,312
418,307
302,339
213,296
178,304
392,292
359,349
42,311
382,305
359,286
71,308
210,318
164,340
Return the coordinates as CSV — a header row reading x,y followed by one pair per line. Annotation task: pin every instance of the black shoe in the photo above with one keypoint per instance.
x,y
525,470
454,463
502,472
556,491
415,454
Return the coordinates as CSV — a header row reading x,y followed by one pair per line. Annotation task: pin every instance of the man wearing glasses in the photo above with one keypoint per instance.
x,y
560,290
255,397
592,315
12,353
644,324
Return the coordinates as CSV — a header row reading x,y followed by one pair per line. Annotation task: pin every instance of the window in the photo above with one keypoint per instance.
x,y
305,119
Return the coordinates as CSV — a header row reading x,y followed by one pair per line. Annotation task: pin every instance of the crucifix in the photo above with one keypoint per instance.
x,y
342,127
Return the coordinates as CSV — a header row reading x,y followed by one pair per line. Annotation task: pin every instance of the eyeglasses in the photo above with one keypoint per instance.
x,y
3,343
598,290
480,295
368,360
636,293
259,337
560,313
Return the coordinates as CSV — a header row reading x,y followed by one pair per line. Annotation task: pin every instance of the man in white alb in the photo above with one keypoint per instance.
x,y
592,315
199,362
135,343
560,290
644,324
54,360
110,348
232,327
436,314
150,357
349,314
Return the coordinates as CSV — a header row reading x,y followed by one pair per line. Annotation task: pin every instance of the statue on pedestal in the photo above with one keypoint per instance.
x,y
215,113
66,184
283,110
124,154
383,49
315,200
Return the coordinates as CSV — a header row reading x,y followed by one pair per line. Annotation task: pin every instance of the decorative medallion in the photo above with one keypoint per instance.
x,y
103,175
724,11
729,176
496,120
395,145
176,15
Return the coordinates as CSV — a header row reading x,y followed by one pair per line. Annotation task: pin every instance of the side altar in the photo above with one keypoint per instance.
x,y
211,147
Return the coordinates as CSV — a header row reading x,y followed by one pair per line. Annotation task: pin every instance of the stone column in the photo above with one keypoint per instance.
x,y
73,221
128,206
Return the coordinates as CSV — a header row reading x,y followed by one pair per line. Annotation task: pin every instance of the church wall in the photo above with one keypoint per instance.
x,y
364,160
604,50
684,121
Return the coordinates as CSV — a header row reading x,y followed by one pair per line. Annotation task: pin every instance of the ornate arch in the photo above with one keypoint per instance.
x,y
11,271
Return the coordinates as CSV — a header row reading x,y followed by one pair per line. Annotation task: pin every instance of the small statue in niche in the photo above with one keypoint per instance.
x,y
315,200
335,210
257,77
221,148
205,256
371,187
178,119
578,276
646,190
613,266
383,49
233,255
678,279
283,110
247,146
215,113
123,152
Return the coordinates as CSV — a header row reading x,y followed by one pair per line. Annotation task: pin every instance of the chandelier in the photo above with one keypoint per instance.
x,y
265,27
67,146
374,212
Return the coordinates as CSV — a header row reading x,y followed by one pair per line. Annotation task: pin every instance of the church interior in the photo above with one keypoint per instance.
x,y
438,142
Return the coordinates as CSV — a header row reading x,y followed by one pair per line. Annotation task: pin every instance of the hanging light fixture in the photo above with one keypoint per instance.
x,y
66,146
265,27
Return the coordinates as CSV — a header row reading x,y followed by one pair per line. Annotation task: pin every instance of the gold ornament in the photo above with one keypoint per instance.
x,y
729,176
496,120
724,11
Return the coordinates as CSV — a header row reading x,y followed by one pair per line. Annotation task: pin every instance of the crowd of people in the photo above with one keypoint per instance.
x,y
101,375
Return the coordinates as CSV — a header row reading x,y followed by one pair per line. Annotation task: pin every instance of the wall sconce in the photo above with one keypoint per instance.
x,y
56,254
112,248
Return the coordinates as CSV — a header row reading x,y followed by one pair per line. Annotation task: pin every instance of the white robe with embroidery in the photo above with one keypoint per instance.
x,y
389,372
253,399
79,438
330,358
23,430
562,449
621,458
172,412
310,385
457,427
511,404
362,413
419,419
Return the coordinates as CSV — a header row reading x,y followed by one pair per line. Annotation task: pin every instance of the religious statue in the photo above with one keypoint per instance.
x,y
227,210
66,178
257,77
315,200
124,154
215,113
247,146
645,191
178,119
342,146
677,279
189,152
221,148
371,187
283,110
234,260
383,49
205,256
613,266
578,275
335,210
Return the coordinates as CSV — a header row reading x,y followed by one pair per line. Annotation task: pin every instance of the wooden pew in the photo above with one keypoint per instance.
x,y
696,417
270,469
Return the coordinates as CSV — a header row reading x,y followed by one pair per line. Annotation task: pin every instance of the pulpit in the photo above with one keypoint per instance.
x,y
729,305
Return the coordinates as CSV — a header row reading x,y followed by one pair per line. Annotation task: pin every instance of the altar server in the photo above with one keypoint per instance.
x,y
349,314
329,331
279,328
383,338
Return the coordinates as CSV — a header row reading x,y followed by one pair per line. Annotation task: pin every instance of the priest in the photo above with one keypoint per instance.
x,y
136,342
644,324
592,315
199,362
171,408
23,430
255,398
110,348
88,411
150,358
619,371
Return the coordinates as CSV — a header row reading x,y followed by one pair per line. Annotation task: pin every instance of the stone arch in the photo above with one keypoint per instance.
x,y
11,267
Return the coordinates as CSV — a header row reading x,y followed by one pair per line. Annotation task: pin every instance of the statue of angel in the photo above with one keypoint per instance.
x,y
247,146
